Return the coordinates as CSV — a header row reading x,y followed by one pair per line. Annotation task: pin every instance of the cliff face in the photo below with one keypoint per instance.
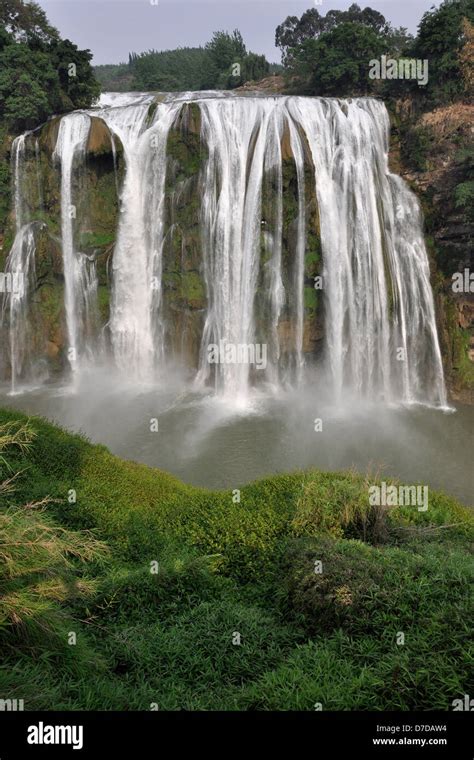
x,y
95,193
426,150
97,183
434,152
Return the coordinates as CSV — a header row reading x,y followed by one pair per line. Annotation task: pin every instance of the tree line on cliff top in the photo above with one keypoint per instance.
x,y
42,74
331,54
325,55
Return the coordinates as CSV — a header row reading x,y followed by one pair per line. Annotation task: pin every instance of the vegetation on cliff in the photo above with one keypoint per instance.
x,y
40,73
161,595
330,54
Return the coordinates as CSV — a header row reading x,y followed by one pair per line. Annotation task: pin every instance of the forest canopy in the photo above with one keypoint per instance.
x,y
223,63
330,54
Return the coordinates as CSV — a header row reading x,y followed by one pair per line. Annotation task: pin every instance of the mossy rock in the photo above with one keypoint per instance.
x,y
48,134
101,141
185,288
184,145
310,299
333,584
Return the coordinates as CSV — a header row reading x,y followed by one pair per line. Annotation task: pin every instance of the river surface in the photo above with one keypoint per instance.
x,y
225,443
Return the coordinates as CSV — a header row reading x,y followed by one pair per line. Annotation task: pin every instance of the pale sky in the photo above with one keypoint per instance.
x,y
113,28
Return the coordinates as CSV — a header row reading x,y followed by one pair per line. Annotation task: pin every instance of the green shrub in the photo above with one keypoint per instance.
x,y
364,589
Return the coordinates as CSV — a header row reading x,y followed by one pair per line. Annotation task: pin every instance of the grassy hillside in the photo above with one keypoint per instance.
x,y
180,598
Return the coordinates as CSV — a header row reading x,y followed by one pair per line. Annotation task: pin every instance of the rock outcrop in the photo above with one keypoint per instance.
x,y
432,151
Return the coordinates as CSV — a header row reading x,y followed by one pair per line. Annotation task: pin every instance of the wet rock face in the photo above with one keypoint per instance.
x,y
96,194
185,295
97,187
431,152
97,183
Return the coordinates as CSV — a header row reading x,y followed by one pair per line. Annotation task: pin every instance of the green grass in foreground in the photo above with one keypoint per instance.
x,y
226,572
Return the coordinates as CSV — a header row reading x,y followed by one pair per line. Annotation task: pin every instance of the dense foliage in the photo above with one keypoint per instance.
x,y
442,38
331,54
40,74
294,32
335,63
224,63
464,191
155,619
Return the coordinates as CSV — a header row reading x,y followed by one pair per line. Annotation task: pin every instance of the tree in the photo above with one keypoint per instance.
x,y
440,40
224,49
337,62
222,53
40,74
78,85
399,41
168,70
294,32
255,67
28,84
26,21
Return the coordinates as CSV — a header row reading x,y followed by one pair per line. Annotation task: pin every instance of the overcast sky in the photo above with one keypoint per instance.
x,y
113,28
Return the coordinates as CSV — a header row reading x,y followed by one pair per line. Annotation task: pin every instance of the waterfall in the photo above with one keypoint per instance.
x,y
20,266
18,161
376,302
298,276
80,279
20,276
135,324
381,337
231,213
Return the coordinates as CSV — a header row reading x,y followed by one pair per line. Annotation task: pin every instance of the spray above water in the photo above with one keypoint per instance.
x,y
380,337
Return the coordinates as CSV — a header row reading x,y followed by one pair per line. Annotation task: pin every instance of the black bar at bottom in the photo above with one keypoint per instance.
x,y
155,734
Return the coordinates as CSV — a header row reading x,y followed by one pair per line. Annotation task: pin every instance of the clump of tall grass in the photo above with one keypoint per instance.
x,y
337,505
39,560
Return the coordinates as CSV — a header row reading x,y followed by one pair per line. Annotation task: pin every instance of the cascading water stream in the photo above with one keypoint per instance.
x,y
137,339
231,221
20,273
379,319
381,338
80,279
298,276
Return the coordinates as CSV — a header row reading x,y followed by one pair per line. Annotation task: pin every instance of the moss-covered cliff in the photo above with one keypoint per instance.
x,y
430,150
434,152
96,192
96,199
